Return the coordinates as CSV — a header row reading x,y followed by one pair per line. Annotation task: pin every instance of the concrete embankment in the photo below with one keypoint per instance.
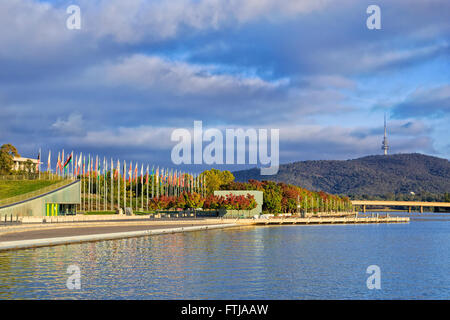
x,y
328,220
93,235
49,234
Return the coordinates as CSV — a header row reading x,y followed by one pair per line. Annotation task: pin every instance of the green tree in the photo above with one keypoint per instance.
x,y
7,154
216,178
272,197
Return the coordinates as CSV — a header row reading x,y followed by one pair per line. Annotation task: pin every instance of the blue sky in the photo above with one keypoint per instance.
x,y
137,70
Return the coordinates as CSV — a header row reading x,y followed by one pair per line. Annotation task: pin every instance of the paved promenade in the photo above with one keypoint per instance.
x,y
23,236
85,230
54,235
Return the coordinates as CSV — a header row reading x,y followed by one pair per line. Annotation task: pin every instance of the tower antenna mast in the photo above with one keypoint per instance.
x,y
384,145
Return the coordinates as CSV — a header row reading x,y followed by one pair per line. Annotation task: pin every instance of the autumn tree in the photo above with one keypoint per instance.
x,y
7,154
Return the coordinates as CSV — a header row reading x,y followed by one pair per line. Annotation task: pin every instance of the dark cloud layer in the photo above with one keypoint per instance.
x,y
137,70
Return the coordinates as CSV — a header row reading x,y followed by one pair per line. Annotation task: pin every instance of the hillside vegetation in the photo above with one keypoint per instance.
x,y
370,176
14,188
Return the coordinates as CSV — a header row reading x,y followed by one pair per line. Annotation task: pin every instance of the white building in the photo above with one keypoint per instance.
x,y
19,164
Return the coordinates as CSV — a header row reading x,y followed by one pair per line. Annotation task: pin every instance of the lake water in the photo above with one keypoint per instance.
x,y
280,262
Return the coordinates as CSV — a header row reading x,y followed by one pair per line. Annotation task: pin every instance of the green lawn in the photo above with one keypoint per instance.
x,y
10,189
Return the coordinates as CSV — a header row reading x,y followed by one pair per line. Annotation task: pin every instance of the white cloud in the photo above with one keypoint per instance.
x,y
137,20
146,137
72,126
32,29
146,72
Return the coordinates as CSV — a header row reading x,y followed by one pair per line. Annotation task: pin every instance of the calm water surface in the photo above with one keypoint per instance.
x,y
281,262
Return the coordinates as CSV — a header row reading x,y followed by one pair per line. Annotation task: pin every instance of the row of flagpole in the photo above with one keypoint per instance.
x,y
95,187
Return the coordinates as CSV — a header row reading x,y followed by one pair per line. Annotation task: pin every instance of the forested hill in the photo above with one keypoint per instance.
x,y
371,175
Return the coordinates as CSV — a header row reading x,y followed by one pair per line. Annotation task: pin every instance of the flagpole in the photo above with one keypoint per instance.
x,y
71,159
157,183
112,185
91,187
94,180
124,184
147,189
105,186
102,188
137,203
99,194
136,187
89,183
97,183
118,184
83,179
97,176
39,164
153,181
131,185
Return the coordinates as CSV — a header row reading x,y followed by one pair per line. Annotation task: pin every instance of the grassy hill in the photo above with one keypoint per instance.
x,y
371,175
14,188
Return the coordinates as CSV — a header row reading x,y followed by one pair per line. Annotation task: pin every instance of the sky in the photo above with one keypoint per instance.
x,y
137,70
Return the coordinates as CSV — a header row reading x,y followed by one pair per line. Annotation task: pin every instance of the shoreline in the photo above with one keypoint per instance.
x,y
47,242
50,234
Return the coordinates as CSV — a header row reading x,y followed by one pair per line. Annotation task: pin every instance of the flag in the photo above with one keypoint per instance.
x,y
146,178
124,173
116,174
135,173
142,174
69,159
98,169
76,162
49,161
130,172
38,160
79,163
157,175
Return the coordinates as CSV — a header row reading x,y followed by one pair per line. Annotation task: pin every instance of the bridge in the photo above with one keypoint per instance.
x,y
408,204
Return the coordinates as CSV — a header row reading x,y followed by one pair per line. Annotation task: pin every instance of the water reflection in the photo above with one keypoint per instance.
x,y
283,262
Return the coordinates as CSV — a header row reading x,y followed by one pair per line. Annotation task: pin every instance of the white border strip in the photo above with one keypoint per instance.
x,y
34,243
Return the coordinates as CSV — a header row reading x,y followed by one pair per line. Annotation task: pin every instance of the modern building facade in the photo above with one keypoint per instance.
x,y
62,201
